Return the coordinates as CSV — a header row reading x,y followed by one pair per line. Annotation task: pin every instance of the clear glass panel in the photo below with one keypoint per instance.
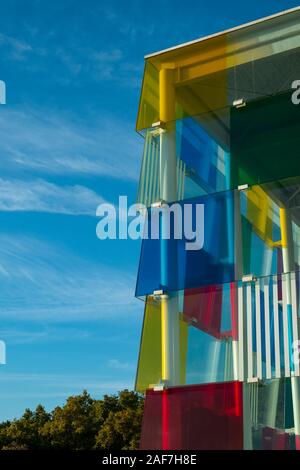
x,y
271,415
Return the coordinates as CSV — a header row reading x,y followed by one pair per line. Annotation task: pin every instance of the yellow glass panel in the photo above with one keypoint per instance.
x,y
149,371
260,213
149,100
149,366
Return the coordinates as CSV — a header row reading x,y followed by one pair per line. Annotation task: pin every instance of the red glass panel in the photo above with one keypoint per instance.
x,y
205,306
194,417
151,436
274,439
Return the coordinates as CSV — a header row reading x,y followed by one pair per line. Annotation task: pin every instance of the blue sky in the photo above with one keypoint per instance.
x,y
67,142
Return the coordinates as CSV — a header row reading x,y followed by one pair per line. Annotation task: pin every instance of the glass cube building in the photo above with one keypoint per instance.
x,y
219,352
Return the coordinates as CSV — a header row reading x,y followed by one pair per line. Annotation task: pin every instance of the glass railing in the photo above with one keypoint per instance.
x,y
246,331
221,150
239,233
211,417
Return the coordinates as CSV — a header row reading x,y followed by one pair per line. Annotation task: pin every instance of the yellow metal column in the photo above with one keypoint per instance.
x,y
168,193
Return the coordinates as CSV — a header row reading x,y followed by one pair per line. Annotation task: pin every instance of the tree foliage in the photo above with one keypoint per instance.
x,y
82,423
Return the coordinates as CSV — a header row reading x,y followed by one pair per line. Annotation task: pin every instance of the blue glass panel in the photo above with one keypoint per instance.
x,y
168,265
207,159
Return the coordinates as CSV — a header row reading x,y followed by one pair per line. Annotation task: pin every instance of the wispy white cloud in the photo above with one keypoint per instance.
x,y
120,365
113,65
130,27
44,142
17,49
72,65
26,390
42,196
64,380
72,62
28,385
55,285
32,333
45,335
103,64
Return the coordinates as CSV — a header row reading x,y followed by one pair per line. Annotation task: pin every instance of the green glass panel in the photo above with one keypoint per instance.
x,y
265,141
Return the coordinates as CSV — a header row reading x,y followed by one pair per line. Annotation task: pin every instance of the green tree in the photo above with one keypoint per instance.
x,y
82,423
26,431
74,425
121,428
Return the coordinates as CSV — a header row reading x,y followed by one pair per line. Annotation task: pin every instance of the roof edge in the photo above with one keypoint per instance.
x,y
230,30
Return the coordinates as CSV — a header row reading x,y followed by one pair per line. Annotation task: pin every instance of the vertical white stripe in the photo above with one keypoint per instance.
x,y
228,361
267,329
249,332
213,367
157,153
155,173
276,328
147,165
235,359
285,327
241,332
258,331
179,179
183,180
256,411
141,196
294,317
151,173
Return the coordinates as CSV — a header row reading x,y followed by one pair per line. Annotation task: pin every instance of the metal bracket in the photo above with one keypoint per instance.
x,y
157,128
240,103
160,124
158,204
158,292
243,187
159,387
253,380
